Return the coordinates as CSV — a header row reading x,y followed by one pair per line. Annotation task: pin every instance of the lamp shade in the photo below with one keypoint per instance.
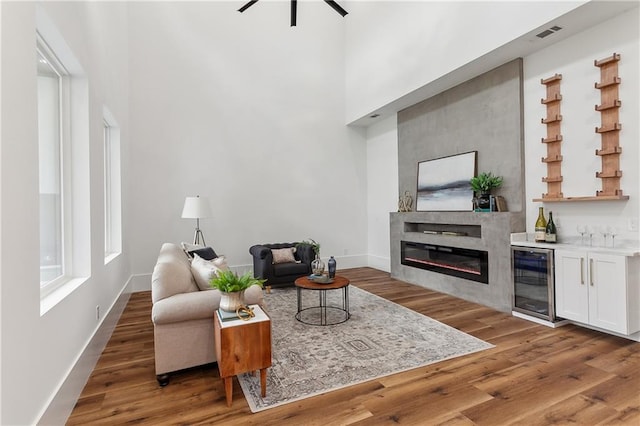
x,y
196,208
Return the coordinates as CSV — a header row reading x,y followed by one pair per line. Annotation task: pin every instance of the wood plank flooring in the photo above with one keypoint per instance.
x,y
534,376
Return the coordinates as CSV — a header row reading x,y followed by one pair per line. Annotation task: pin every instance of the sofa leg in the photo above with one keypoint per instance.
x,y
163,379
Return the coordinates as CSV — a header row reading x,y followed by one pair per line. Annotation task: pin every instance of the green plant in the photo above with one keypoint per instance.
x,y
314,245
229,281
485,182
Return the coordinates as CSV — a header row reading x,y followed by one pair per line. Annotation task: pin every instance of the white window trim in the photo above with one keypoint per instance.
x,y
76,159
112,188
65,199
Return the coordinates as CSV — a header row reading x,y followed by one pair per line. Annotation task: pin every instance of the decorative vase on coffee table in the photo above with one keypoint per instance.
x,y
332,267
317,266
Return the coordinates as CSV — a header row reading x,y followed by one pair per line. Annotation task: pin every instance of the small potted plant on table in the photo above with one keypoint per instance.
x,y
232,287
482,186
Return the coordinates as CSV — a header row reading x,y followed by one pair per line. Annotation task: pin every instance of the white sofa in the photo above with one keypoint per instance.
x,y
182,314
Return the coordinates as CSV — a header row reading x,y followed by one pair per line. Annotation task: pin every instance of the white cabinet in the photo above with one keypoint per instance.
x,y
598,289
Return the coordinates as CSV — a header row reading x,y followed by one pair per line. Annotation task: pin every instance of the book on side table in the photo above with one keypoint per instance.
x,y
228,317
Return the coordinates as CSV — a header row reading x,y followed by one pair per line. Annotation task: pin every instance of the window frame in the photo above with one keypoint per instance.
x,y
76,160
64,122
112,187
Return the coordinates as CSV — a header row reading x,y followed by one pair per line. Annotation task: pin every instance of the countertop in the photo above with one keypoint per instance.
x,y
622,247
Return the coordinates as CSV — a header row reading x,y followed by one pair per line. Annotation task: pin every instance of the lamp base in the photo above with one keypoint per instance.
x,y
197,237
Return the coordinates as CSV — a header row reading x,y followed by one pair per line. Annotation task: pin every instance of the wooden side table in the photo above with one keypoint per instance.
x,y
243,346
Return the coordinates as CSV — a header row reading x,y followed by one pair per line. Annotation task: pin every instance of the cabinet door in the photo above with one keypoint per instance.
x,y
571,285
608,292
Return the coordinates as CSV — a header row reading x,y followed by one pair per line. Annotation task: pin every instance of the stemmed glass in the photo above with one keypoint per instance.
x,y
605,232
613,231
590,231
581,230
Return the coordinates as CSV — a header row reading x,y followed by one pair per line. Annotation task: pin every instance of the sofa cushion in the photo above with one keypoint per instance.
x,y
282,269
170,278
203,270
206,253
187,247
283,255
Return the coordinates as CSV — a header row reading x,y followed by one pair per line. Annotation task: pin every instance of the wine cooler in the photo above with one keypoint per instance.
x,y
533,279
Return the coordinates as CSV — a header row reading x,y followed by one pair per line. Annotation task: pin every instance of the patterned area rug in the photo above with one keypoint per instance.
x,y
381,338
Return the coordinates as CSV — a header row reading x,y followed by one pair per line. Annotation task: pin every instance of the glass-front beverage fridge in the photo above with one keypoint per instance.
x,y
533,279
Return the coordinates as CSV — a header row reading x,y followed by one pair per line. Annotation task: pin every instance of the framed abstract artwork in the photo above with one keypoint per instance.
x,y
443,183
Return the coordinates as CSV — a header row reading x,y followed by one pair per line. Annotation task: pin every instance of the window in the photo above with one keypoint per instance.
x,y
63,166
52,83
112,197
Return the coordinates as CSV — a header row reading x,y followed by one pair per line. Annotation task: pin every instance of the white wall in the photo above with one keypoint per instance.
x,y
238,107
436,39
248,111
574,58
38,351
382,193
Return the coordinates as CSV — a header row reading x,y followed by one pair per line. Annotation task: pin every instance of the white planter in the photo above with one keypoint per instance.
x,y
231,301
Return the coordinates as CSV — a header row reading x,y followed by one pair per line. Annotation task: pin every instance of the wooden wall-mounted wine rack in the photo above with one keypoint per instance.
x,y
554,137
610,128
609,131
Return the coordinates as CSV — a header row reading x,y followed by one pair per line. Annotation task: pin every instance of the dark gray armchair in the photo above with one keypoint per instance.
x,y
281,274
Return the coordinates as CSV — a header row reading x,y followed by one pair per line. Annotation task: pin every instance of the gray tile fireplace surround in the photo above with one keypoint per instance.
x,y
483,231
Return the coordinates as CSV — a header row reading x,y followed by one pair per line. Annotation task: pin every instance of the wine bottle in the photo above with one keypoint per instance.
x,y
541,226
550,235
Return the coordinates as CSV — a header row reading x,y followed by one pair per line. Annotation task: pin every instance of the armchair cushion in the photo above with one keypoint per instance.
x,y
283,255
286,269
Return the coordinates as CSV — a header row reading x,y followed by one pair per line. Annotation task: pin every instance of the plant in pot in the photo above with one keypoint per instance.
x,y
232,287
317,265
482,186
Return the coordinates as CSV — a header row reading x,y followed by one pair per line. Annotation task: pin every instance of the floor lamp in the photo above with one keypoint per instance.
x,y
196,208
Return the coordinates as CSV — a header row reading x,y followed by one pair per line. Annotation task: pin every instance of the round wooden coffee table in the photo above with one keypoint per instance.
x,y
337,314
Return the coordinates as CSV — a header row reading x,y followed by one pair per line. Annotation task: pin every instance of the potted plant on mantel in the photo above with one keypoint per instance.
x,y
482,185
232,288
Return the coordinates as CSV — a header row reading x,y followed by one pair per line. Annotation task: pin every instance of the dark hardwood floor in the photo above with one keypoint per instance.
x,y
535,375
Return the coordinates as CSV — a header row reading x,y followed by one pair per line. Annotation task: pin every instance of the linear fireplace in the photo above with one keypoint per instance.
x,y
458,262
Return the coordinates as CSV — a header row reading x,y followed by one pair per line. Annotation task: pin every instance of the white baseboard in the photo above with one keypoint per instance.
x,y
380,263
140,282
61,404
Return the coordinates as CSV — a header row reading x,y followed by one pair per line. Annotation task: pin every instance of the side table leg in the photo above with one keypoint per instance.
x,y
228,389
263,382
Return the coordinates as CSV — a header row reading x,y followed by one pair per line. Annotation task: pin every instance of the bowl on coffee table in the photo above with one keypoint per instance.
x,y
320,279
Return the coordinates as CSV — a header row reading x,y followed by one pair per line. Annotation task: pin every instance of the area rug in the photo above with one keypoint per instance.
x,y
381,338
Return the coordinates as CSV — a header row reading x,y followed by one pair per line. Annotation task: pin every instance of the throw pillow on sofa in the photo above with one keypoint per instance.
x,y
207,253
203,270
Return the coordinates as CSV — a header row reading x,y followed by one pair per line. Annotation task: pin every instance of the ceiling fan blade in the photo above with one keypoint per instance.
x,y
247,6
336,7
294,12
